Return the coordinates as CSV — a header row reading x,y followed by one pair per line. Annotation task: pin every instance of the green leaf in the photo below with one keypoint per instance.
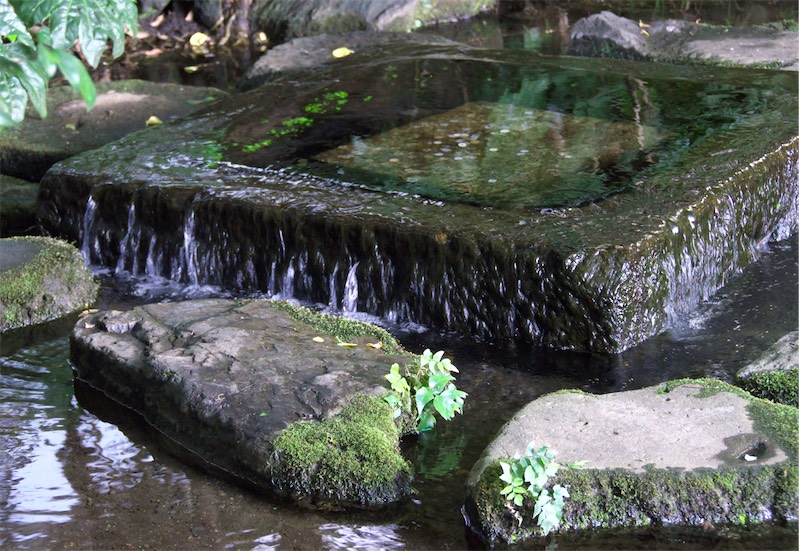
x,y
423,396
426,422
92,22
76,74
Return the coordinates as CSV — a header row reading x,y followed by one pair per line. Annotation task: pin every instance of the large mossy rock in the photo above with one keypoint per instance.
x,y
775,375
121,107
286,19
41,279
259,389
494,194
686,452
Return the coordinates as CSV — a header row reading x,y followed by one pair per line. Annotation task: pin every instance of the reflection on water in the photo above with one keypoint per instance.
x,y
95,479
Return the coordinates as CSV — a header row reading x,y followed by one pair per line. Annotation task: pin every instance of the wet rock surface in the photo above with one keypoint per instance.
x,y
672,41
121,107
646,229
303,53
41,279
687,452
223,379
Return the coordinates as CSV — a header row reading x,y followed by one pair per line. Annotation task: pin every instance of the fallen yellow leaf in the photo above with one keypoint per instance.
x,y
191,69
347,344
375,345
342,52
643,25
318,339
153,120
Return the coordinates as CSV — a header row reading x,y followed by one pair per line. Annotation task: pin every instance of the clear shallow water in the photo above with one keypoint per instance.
x,y
76,473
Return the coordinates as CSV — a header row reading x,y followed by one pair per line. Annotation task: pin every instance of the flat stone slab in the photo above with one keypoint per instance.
x,y
686,452
121,107
17,206
252,388
403,182
41,279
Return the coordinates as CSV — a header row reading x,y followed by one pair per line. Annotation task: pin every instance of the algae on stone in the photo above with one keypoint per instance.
x,y
50,282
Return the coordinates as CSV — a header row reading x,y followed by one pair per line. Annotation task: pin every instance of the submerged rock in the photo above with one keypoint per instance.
x,y
513,219
259,390
607,35
686,452
41,279
121,107
775,376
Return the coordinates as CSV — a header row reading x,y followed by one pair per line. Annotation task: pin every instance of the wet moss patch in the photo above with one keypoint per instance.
x,y
351,459
49,282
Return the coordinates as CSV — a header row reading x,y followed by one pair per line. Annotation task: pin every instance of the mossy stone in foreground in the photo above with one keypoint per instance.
x,y
41,279
707,452
259,389
352,458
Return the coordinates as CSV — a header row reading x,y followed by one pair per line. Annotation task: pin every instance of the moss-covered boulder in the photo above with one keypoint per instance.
x,y
685,452
775,376
41,279
261,389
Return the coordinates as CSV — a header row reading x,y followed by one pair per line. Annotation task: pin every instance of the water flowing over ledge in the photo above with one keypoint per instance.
x,y
214,198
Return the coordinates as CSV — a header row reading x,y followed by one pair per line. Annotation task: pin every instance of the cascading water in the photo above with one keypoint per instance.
x,y
350,300
87,237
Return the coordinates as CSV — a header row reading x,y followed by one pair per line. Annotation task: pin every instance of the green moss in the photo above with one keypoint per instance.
x,y
620,498
341,327
53,283
777,386
350,460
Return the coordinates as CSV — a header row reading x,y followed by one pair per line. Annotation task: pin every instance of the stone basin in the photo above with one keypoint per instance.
x,y
625,192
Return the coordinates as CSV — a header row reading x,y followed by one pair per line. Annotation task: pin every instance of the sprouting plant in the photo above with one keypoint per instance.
x,y
425,387
529,475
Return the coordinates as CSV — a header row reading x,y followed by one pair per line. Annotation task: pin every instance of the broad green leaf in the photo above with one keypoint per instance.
x,y
423,397
12,26
426,422
92,22
13,99
77,75
20,64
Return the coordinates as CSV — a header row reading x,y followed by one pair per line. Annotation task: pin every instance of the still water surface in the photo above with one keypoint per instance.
x,y
76,473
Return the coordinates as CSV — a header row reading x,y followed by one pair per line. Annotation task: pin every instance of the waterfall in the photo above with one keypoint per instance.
x,y
190,249
124,243
350,299
86,233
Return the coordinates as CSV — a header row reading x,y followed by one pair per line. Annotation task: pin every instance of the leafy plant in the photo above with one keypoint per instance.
x,y
529,475
425,387
36,39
